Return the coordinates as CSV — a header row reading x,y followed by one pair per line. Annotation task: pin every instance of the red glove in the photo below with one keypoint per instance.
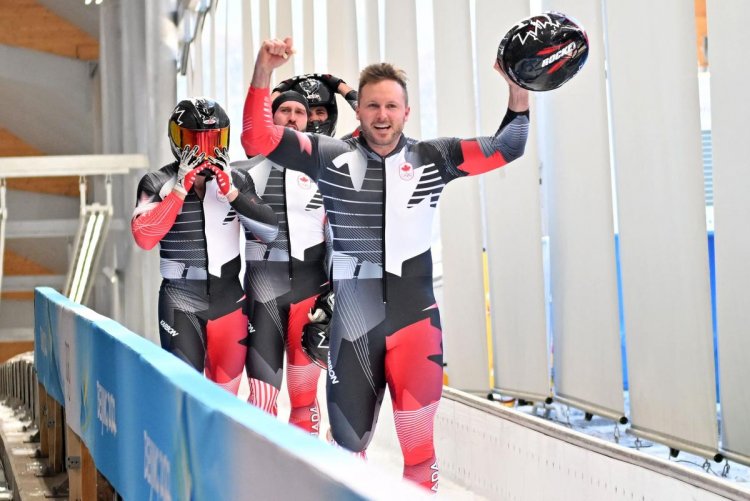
x,y
189,180
219,165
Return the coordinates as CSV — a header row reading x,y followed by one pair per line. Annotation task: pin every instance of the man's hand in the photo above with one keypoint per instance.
x,y
332,82
189,167
223,172
518,99
221,159
272,54
322,310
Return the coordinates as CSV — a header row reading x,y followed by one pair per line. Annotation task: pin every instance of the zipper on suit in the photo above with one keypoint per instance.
x,y
205,238
288,226
385,184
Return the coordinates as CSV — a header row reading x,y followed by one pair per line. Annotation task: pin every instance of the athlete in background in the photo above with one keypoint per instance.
x,y
283,278
320,91
190,208
380,191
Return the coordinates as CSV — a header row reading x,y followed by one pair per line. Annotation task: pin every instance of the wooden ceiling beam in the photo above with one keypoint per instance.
x,y
17,296
13,146
701,32
15,265
27,24
66,186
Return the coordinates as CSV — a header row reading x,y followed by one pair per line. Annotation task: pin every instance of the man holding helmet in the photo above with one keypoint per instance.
x,y
191,208
380,191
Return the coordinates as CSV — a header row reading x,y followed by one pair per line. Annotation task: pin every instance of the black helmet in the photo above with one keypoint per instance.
x,y
315,335
198,122
543,52
315,340
319,94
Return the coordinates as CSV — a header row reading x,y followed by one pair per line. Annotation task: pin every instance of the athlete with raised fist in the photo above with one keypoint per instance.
x,y
283,278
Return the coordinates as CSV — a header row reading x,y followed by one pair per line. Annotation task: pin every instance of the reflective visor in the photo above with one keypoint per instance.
x,y
206,140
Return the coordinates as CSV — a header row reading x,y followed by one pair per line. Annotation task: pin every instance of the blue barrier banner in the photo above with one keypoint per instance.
x,y
158,430
55,325
45,326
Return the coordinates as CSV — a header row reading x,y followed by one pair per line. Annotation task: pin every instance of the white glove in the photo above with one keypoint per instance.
x,y
221,168
189,161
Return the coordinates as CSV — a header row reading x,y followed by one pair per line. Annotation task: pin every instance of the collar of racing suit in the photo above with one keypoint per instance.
x,y
399,145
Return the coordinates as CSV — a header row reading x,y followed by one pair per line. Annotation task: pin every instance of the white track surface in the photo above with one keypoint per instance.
x,y
486,451
384,452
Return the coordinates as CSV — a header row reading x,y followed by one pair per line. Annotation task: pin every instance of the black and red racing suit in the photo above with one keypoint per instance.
x,y
201,317
386,325
282,280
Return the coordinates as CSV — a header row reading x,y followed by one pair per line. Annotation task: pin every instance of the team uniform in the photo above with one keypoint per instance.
x,y
282,280
386,325
201,317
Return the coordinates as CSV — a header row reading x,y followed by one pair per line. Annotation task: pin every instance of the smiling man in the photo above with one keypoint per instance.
x,y
380,191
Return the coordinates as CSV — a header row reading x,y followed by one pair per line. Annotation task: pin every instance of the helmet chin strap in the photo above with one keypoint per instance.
x,y
315,126
320,127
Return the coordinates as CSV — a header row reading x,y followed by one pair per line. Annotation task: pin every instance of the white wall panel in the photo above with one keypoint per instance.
x,y
342,56
264,20
263,23
462,309
731,149
463,312
401,50
662,225
256,23
514,232
249,48
283,30
369,9
308,39
583,275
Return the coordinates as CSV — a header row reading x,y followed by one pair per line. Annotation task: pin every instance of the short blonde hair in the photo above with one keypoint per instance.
x,y
379,72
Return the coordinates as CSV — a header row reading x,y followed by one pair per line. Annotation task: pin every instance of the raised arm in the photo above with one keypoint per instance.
x,y
285,147
259,134
467,157
518,98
